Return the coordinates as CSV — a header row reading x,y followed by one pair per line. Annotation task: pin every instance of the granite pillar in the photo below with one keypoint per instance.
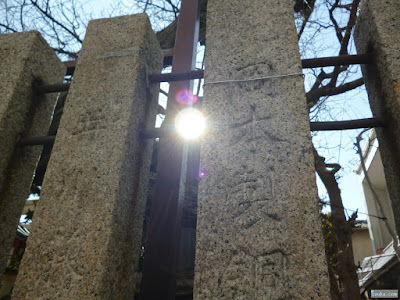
x,y
25,60
378,31
258,230
86,237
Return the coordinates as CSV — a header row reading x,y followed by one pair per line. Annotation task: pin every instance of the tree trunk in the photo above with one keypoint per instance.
x,y
335,293
346,268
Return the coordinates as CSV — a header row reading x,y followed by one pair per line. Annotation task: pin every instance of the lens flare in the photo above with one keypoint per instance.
x,y
190,123
186,97
203,174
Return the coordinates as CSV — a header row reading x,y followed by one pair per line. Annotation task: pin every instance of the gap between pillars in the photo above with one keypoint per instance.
x,y
163,230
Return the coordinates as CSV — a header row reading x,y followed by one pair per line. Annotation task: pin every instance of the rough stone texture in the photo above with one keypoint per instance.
x,y
258,229
86,236
378,31
25,59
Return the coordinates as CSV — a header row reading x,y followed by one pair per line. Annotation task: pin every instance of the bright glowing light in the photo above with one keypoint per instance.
x,y
190,123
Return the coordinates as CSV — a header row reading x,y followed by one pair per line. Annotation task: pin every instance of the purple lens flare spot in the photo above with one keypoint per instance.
x,y
203,174
186,97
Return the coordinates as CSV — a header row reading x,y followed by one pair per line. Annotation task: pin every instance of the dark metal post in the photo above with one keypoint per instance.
x,y
159,273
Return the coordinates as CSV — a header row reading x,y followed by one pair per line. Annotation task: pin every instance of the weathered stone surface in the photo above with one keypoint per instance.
x,y
25,59
258,230
378,31
86,235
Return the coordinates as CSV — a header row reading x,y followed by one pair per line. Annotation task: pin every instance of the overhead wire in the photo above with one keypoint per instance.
x,y
362,213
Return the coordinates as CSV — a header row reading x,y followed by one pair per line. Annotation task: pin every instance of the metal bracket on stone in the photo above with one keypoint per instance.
x,y
52,88
36,140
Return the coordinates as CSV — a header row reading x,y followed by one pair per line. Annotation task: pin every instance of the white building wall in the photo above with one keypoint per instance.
x,y
379,234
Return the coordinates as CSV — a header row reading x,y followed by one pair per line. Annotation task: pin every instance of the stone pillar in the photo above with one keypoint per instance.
x,y
86,237
25,60
378,31
258,230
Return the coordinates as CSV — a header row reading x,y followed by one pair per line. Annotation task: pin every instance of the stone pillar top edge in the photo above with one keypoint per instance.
x,y
137,25
29,32
27,35
113,19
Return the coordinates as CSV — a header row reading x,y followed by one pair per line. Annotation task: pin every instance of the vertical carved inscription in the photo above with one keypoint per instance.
x,y
250,195
270,270
253,130
255,277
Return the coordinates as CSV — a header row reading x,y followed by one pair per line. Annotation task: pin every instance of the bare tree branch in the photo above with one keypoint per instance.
x,y
349,27
47,14
62,51
314,96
